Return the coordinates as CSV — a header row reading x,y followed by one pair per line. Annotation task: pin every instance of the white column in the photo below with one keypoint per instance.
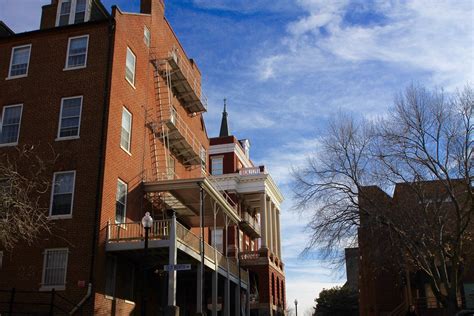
x,y
275,229
215,277
270,224
227,281
279,233
263,220
172,263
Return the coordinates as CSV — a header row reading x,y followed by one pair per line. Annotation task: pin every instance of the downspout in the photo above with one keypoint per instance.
x,y
108,78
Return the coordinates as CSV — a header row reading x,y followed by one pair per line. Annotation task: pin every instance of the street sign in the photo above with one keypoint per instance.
x,y
177,267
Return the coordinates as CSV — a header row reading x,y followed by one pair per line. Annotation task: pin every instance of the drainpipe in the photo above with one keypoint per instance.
x,y
88,294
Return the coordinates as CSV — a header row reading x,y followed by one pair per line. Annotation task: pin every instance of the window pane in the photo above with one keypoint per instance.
x,y
70,117
80,11
20,61
77,52
55,267
65,12
130,67
10,124
62,194
126,130
146,35
120,202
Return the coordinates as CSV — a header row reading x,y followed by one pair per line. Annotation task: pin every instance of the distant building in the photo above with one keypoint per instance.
x,y
352,268
118,99
385,286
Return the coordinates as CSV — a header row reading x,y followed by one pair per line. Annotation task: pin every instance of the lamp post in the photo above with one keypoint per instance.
x,y
147,223
296,307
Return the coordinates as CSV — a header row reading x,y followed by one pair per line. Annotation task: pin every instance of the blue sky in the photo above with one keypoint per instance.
x,y
287,66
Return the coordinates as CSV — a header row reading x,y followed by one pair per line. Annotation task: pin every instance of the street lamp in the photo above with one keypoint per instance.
x,y
147,223
296,307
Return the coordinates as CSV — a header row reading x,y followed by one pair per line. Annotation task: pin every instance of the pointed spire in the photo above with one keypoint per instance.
x,y
224,126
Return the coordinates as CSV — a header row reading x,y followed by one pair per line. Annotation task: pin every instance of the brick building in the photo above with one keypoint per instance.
x,y
115,96
258,198
387,284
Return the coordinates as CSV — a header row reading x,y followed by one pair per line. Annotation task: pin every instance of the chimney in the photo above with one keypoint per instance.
x,y
152,7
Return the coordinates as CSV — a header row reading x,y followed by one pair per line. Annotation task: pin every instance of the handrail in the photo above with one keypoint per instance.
x,y
182,62
135,231
251,220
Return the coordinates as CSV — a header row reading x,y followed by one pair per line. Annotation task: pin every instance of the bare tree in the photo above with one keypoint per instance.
x,y
426,138
22,184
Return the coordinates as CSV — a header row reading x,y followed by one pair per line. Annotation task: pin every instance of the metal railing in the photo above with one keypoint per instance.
x,y
250,171
249,255
135,231
187,237
253,222
183,63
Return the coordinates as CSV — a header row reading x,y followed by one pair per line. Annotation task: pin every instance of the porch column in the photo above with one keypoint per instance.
x,y
263,220
200,267
275,229
227,281
237,301
247,299
270,224
215,277
172,263
279,233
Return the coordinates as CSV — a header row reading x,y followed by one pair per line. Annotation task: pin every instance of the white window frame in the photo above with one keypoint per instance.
x,y
67,67
19,128
215,159
58,137
147,36
55,287
11,62
127,150
134,67
62,216
126,200
72,13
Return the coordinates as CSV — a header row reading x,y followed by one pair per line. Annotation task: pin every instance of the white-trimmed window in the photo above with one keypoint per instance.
x,y
130,67
217,165
54,269
121,202
10,124
19,61
146,36
62,195
72,11
77,52
70,117
126,132
217,237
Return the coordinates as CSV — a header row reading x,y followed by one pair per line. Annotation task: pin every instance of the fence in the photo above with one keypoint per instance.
x,y
35,303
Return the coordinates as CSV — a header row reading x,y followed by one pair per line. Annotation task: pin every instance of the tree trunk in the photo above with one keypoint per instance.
x,y
451,304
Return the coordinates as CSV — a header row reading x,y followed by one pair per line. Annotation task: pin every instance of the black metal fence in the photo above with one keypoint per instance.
x,y
34,303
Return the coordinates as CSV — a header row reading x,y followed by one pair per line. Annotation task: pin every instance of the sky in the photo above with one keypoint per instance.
x,y
287,66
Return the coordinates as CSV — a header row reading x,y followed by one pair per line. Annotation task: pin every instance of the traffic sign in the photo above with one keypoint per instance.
x,y
177,267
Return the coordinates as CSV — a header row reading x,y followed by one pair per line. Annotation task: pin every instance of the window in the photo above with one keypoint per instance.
x,y
121,202
19,62
217,165
217,238
62,194
130,67
10,124
77,52
72,11
247,244
54,269
70,117
241,240
146,36
126,132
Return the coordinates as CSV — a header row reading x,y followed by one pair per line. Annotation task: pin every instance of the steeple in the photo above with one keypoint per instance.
x,y
224,126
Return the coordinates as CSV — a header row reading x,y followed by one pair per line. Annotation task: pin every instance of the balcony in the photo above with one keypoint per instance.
x,y
252,171
186,85
130,237
250,225
181,139
260,257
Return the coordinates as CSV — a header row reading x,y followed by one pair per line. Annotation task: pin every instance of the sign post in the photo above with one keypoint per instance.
x,y
177,267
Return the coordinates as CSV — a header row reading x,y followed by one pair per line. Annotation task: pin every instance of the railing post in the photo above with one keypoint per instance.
x,y
51,306
12,301
172,263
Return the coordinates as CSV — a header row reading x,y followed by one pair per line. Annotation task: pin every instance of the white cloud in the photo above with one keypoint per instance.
x,y
433,36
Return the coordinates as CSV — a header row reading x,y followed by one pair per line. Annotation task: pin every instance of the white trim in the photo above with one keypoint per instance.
x,y
58,136
146,39
129,150
134,67
72,12
62,216
55,287
231,148
126,200
19,124
67,67
216,158
9,77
